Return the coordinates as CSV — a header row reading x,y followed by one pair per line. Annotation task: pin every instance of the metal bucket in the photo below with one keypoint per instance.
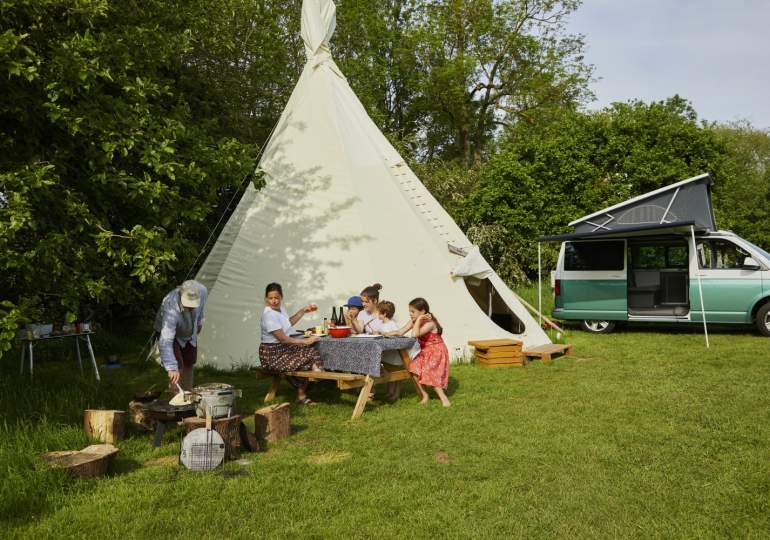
x,y
216,399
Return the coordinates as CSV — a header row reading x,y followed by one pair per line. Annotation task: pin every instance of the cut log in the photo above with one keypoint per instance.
x,y
105,426
92,461
229,428
137,415
273,423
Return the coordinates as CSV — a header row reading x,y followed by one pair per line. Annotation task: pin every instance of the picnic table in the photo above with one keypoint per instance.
x,y
353,363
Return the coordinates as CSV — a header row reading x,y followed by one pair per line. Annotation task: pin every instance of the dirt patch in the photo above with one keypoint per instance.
x,y
164,461
442,457
328,458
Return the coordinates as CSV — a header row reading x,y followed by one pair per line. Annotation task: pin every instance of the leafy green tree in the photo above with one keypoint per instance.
x,y
489,64
742,197
107,174
550,174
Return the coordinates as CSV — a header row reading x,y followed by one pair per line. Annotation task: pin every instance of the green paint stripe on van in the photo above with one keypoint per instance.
x,y
592,298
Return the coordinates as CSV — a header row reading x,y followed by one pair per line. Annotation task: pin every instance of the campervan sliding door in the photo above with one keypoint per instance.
x,y
593,281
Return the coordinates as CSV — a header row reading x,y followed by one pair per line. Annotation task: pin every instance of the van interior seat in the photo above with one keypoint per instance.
x,y
645,280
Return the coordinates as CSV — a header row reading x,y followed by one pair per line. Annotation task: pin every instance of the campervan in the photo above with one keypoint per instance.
x,y
658,258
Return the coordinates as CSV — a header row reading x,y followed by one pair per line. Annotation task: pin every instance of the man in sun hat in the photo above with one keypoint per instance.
x,y
178,323
354,305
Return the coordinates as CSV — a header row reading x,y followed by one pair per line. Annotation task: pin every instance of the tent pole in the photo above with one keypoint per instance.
x,y
700,286
539,288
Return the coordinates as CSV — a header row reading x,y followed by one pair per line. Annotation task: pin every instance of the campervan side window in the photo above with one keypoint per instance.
x,y
594,255
720,255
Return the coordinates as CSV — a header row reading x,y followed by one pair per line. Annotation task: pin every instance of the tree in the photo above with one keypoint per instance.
x,y
742,197
107,174
488,64
548,175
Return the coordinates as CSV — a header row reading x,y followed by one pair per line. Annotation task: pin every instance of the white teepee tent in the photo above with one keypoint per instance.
x,y
342,210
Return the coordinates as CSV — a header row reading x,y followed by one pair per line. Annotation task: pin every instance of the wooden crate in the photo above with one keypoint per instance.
x,y
484,345
519,362
494,353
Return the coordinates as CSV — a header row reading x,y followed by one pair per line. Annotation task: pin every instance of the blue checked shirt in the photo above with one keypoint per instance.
x,y
174,322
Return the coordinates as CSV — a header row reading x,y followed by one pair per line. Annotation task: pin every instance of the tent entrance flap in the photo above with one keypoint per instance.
x,y
490,302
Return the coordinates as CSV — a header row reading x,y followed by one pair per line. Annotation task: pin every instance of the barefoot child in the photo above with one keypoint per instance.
x,y
385,312
431,365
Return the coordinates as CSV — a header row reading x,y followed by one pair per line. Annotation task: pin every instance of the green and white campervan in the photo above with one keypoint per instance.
x,y
653,258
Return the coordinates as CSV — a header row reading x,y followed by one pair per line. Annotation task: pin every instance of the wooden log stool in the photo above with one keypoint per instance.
x,y
90,462
105,426
273,423
229,428
138,416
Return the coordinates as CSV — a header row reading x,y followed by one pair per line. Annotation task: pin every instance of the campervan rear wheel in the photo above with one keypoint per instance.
x,y
598,327
763,319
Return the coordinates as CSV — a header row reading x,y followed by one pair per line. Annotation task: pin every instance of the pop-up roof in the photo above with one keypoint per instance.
x,y
684,204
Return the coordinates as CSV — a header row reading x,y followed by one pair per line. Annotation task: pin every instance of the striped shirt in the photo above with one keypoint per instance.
x,y
174,322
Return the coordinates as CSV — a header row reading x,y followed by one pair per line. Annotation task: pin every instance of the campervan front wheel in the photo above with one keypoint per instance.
x,y
763,320
598,327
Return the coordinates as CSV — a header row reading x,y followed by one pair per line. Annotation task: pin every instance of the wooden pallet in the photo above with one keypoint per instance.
x,y
547,351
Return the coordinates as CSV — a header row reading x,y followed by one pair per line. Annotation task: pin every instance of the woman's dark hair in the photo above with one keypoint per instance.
x,y
372,292
420,304
274,287
386,308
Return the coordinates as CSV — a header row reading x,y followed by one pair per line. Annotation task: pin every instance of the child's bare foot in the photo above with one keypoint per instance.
x,y
425,398
446,403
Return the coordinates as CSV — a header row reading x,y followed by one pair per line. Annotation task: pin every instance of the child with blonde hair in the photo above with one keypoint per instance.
x,y
385,312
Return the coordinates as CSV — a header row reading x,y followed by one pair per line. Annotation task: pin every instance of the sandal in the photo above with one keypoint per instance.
x,y
305,401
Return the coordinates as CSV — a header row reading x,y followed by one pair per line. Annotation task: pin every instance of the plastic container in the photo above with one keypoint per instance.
x,y
339,331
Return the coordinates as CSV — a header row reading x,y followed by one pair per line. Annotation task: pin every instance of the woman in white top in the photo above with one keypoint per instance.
x,y
279,352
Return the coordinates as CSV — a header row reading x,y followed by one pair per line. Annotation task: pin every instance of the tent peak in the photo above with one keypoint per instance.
x,y
319,19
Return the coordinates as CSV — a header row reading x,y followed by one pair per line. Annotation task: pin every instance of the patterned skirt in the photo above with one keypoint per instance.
x,y
282,357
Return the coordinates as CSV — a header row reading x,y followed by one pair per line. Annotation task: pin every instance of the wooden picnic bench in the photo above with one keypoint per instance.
x,y
346,381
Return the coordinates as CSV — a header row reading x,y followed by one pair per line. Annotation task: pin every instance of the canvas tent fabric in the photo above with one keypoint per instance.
x,y
688,201
340,210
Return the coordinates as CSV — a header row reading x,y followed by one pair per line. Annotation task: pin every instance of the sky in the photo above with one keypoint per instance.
x,y
715,53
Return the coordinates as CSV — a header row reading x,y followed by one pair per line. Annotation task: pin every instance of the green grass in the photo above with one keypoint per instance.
x,y
640,434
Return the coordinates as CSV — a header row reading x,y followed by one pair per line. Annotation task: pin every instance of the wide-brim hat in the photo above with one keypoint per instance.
x,y
190,294
355,301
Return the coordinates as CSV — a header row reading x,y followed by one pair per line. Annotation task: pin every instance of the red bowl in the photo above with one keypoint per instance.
x,y
339,331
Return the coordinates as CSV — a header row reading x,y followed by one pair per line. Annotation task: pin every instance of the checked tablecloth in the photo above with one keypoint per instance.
x,y
358,355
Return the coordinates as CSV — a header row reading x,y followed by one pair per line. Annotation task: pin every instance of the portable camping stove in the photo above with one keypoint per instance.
x,y
164,414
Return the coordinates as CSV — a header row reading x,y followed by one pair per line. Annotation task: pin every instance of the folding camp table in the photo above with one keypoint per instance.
x,y
28,346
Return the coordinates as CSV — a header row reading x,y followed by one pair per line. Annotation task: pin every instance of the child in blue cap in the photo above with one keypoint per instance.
x,y
354,305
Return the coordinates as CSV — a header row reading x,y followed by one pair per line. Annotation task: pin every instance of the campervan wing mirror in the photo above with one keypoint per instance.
x,y
751,264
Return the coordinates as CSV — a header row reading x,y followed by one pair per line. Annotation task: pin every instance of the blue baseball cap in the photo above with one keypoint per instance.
x,y
355,301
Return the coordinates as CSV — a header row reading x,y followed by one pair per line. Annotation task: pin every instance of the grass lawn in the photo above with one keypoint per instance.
x,y
640,434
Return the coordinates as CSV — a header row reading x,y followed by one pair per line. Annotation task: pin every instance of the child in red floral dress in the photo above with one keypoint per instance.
x,y
431,365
